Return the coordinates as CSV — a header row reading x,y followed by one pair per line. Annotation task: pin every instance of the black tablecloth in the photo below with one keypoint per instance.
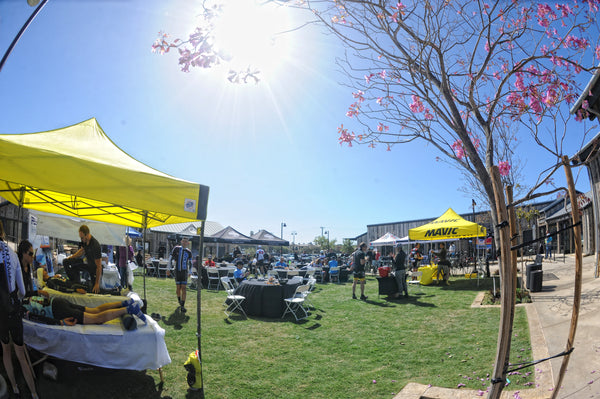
x,y
387,285
264,299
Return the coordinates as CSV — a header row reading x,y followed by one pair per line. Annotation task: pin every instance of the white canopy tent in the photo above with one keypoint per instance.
x,y
386,239
67,228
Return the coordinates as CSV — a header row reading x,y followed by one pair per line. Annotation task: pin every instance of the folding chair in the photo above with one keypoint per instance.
x,y
311,286
236,300
195,282
417,282
213,278
296,303
296,280
163,268
334,273
150,270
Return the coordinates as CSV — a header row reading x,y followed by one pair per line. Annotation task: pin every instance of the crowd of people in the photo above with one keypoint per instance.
x,y
20,298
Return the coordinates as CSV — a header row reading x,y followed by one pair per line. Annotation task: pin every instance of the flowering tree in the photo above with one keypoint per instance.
x,y
466,77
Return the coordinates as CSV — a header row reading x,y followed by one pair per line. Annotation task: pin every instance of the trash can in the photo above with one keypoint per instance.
x,y
528,270
536,280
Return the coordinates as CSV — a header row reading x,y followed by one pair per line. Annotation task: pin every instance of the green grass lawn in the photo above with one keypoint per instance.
x,y
345,349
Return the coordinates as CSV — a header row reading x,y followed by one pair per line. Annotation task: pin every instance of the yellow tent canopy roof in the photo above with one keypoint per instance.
x,y
79,171
449,225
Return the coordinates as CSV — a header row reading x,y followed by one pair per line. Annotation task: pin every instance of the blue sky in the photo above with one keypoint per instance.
x,y
269,152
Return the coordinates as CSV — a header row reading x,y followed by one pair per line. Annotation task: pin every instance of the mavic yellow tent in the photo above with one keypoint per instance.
x,y
79,171
449,225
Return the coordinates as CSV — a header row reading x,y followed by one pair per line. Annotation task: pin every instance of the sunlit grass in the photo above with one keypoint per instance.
x,y
346,348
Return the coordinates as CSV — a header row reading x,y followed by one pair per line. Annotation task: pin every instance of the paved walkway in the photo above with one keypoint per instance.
x,y
549,322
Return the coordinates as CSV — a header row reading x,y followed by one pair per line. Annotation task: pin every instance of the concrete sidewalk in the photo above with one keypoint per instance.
x,y
554,305
549,319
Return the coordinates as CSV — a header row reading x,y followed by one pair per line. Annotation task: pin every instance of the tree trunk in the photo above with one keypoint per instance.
x,y
514,240
578,275
506,293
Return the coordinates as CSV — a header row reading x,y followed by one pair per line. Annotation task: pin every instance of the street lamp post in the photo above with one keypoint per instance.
x,y
32,3
327,232
281,247
294,233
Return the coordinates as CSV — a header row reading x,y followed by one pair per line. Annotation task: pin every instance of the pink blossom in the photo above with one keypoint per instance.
x,y
519,81
564,9
487,46
597,52
459,151
551,97
535,105
368,77
382,74
381,127
345,137
416,106
359,94
504,168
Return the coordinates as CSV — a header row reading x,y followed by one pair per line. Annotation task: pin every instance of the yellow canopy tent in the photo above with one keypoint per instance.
x,y
79,171
448,226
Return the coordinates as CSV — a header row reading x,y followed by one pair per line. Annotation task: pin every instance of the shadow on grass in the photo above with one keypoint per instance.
x,y
469,285
380,304
177,319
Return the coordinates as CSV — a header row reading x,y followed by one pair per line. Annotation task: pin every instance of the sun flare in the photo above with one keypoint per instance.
x,y
250,33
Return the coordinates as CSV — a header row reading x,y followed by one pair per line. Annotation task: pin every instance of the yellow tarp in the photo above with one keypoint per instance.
x,y
79,171
449,225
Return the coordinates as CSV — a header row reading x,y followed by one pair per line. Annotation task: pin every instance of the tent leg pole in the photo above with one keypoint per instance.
x,y
145,224
199,307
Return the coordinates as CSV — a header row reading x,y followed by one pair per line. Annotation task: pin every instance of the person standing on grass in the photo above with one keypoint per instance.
x,y
260,260
359,271
443,264
399,262
182,257
415,256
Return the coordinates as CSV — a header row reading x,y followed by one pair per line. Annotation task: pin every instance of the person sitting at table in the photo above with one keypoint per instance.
x,y
59,311
333,263
209,262
281,264
239,273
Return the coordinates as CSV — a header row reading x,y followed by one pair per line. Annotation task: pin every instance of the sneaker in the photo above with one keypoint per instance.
x,y
183,310
134,309
363,298
127,302
354,296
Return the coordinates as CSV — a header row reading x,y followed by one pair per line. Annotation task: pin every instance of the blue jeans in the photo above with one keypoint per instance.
x,y
548,251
